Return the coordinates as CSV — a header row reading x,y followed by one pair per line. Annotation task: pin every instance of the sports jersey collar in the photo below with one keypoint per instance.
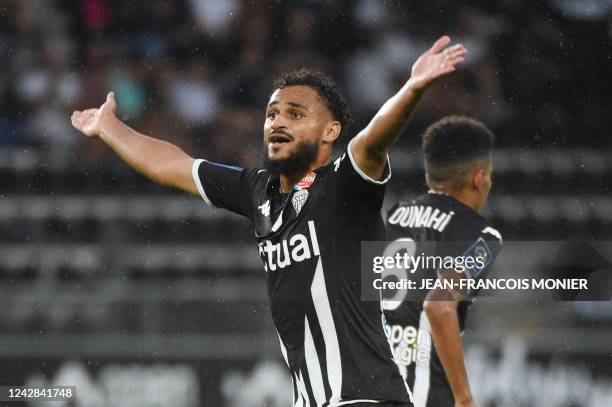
x,y
274,181
280,200
433,191
453,199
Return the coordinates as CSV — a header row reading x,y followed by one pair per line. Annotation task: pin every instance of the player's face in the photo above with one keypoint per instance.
x,y
295,120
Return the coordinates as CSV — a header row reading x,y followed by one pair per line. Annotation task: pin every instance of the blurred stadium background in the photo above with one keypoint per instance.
x,y
144,297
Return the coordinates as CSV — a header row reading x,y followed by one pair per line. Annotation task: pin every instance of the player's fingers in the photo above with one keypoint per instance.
x,y
73,118
88,116
455,61
446,70
453,48
77,115
77,119
440,44
457,53
450,53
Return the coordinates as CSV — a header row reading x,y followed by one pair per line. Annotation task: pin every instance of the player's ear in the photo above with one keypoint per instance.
x,y
479,179
332,132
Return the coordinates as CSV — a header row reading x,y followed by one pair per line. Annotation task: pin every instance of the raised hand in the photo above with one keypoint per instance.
x,y
436,62
91,121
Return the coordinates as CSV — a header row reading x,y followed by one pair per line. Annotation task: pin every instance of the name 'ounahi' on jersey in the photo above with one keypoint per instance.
x,y
309,239
437,222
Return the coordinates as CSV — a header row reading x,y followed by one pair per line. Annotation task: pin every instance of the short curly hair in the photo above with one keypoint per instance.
x,y
327,89
453,144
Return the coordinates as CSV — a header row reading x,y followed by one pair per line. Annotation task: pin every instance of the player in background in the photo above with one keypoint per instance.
x,y
458,167
309,215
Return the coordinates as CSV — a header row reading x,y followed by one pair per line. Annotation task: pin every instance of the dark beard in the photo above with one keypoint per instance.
x,y
296,163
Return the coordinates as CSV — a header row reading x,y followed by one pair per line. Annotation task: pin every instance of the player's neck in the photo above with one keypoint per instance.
x,y
288,181
465,197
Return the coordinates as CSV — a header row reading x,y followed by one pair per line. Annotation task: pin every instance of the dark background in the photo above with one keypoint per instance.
x,y
123,288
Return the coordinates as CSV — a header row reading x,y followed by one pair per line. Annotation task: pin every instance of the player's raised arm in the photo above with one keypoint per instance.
x,y
370,146
162,162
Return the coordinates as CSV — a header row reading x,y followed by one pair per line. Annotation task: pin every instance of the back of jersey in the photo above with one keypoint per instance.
x,y
436,225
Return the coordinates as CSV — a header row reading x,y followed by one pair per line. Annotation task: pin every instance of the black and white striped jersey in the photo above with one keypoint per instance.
x,y
309,241
432,220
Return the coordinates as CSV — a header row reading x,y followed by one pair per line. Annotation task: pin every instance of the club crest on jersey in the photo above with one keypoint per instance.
x,y
299,199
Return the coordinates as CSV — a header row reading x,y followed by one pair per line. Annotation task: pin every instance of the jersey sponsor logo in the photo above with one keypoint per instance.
x,y
299,199
408,344
479,250
420,216
264,208
295,249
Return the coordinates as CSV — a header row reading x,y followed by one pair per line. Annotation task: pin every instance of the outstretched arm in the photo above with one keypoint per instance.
x,y
162,162
370,146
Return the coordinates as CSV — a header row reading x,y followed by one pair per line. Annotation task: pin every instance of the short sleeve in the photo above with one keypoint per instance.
x,y
483,251
225,186
472,257
353,183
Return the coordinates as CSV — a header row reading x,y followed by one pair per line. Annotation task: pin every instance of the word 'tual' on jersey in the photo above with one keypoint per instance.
x,y
309,241
429,220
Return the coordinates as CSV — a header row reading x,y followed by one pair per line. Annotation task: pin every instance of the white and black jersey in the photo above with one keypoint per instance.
x,y
432,220
309,241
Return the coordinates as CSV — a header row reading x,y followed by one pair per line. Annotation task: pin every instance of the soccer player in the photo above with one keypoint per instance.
x,y
309,214
458,168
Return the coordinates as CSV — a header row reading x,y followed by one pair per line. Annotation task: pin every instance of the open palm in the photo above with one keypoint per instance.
x,y
90,121
436,62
